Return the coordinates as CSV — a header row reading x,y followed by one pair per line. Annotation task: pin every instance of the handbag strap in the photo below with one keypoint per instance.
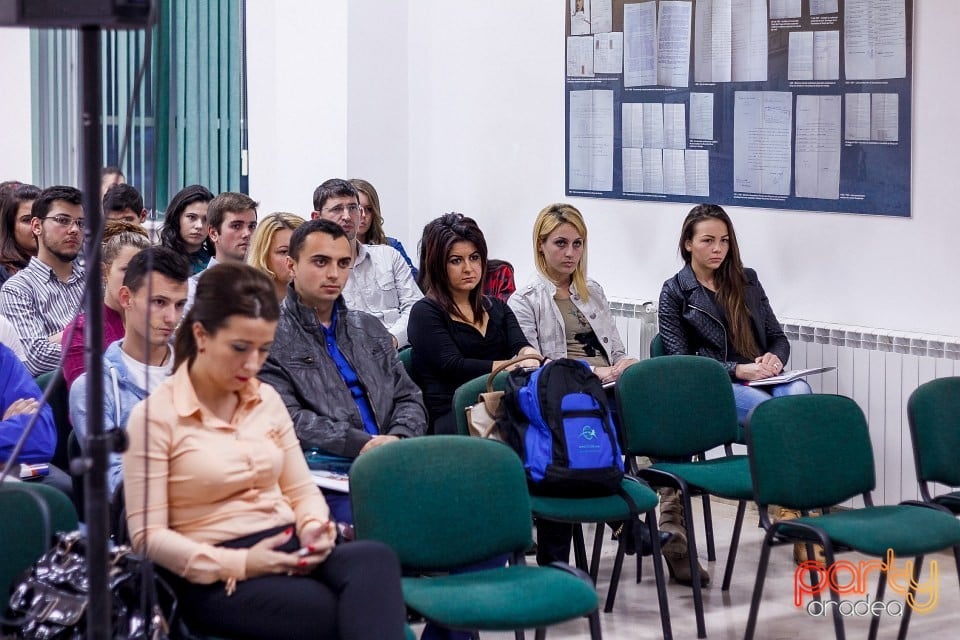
x,y
509,363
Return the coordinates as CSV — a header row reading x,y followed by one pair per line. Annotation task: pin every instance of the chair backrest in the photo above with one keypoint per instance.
x,y
32,513
656,347
442,501
466,396
60,406
934,415
406,358
809,451
676,406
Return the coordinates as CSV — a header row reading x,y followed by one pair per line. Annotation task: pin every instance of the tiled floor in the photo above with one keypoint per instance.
x,y
636,616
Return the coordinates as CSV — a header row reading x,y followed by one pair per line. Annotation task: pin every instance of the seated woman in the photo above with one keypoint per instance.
x,y
218,493
456,332
371,230
716,308
562,312
17,242
121,241
185,226
270,245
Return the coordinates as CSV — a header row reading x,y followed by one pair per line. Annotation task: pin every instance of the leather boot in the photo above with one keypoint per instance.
x,y
675,551
799,550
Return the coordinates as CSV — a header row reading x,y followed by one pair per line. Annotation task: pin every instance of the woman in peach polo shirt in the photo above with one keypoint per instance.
x,y
218,493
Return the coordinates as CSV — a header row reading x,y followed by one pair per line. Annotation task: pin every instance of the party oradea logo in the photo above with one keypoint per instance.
x,y
853,580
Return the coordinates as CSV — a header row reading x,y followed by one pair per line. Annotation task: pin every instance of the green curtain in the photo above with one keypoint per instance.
x,y
187,123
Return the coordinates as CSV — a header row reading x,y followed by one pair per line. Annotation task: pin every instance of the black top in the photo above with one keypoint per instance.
x,y
447,353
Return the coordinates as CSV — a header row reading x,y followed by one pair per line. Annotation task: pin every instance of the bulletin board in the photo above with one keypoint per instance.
x,y
780,104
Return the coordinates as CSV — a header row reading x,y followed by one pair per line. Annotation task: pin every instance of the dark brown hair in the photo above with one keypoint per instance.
x,y
225,290
729,278
13,256
438,239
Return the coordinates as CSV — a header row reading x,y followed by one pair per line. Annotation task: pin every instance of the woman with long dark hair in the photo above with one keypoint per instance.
x,y
715,307
17,242
185,226
218,492
456,332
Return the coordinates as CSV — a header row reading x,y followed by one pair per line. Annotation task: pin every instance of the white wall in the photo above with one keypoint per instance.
x,y
16,150
297,99
483,104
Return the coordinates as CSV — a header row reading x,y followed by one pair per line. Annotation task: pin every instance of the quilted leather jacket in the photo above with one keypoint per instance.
x,y
690,322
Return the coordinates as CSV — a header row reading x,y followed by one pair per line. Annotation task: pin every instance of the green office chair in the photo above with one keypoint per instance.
x,y
787,439
406,358
673,408
60,406
934,415
656,347
444,502
577,511
32,514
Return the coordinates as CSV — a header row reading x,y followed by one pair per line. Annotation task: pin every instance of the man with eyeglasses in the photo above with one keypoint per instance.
x,y
381,283
41,299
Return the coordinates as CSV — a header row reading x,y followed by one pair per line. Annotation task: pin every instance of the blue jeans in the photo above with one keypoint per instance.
x,y
747,398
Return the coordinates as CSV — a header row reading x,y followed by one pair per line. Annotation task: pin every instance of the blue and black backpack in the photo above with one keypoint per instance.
x,y
558,420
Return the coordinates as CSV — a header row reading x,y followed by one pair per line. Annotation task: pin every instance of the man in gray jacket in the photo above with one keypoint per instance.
x,y
336,368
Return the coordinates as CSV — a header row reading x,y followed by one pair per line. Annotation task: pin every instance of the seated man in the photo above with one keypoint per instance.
x,y
19,402
381,283
154,291
336,368
123,202
42,298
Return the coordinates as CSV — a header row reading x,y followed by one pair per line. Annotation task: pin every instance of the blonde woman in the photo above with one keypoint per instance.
x,y
269,248
562,312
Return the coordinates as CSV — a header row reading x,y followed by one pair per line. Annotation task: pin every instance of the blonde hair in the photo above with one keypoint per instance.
x,y
547,222
263,237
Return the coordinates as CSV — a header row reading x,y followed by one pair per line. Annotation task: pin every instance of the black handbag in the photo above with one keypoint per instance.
x,y
50,602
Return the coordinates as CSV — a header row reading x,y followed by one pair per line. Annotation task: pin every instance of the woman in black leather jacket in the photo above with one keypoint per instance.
x,y
715,307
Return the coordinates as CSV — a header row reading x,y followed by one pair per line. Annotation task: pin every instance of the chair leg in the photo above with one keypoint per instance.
x,y
911,595
518,635
875,617
657,558
834,596
758,586
734,545
597,548
579,548
594,619
708,527
540,634
694,565
617,568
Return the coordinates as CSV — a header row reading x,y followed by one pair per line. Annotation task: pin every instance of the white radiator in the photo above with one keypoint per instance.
x,y
879,369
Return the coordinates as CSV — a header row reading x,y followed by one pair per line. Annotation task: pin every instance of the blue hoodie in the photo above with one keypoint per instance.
x,y
17,383
119,397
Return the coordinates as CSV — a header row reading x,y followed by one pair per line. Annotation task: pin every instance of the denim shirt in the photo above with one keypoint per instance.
x,y
539,317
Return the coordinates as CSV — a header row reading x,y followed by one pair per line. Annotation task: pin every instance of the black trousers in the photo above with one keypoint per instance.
x,y
353,595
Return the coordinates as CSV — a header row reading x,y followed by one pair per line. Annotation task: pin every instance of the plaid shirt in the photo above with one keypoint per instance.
x,y
499,281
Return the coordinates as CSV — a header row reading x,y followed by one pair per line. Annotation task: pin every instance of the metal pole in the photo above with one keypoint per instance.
x,y
97,445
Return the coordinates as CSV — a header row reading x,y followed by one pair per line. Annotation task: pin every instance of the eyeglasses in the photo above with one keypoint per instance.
x,y
66,221
340,208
